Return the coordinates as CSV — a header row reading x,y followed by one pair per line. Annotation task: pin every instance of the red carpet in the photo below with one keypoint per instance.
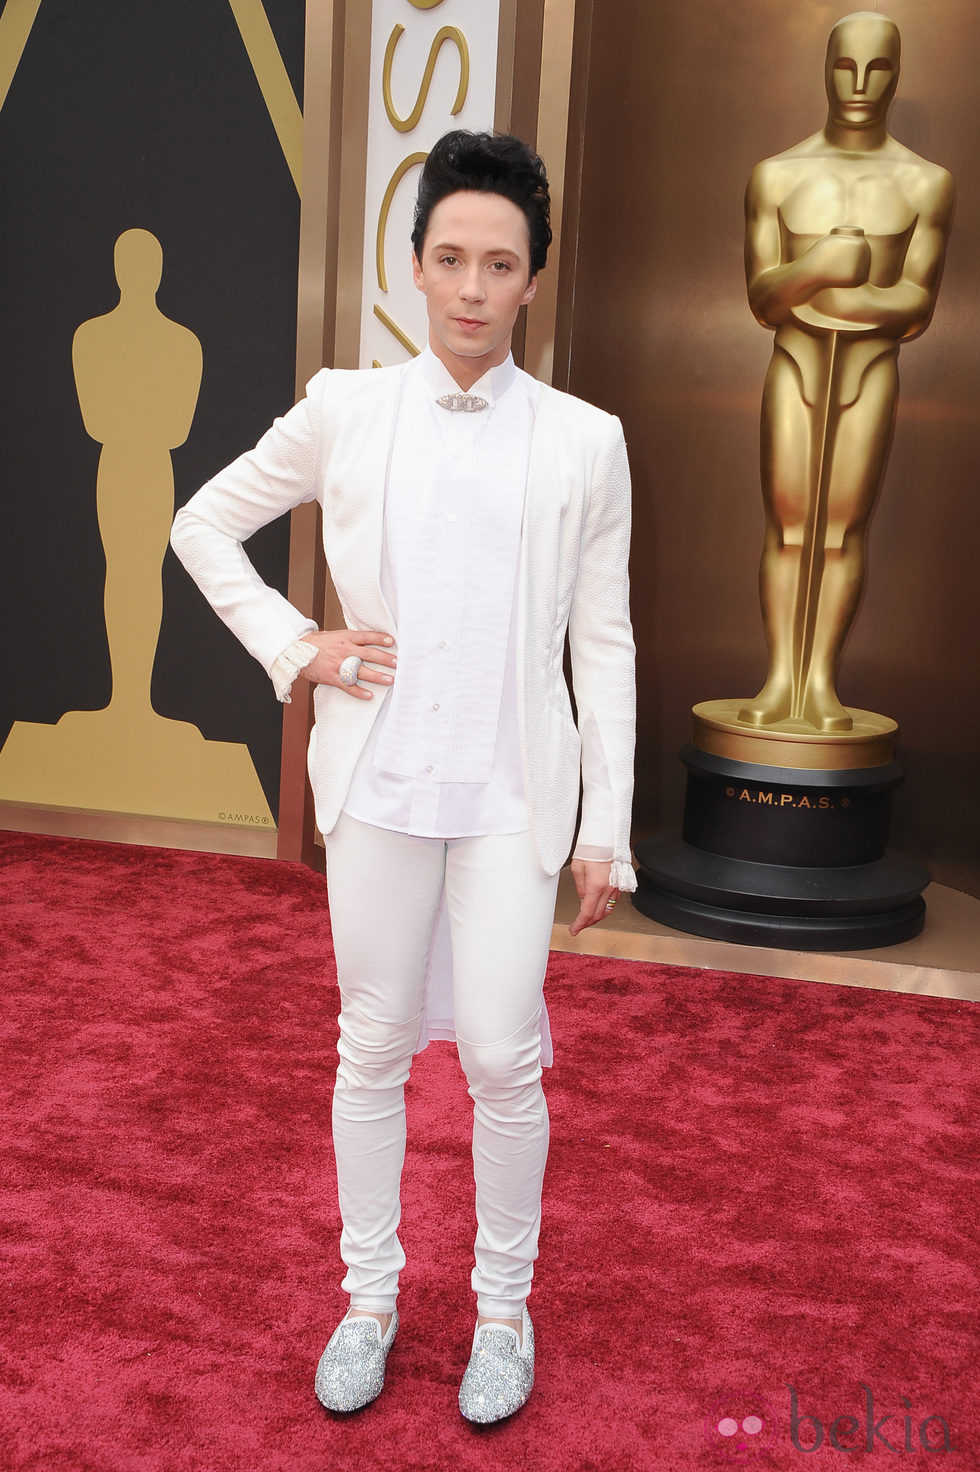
x,y
754,1185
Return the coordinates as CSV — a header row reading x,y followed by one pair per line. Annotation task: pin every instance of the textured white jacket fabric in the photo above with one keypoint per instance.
x,y
333,447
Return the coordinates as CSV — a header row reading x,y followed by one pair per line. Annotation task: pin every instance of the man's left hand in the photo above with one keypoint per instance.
x,y
594,891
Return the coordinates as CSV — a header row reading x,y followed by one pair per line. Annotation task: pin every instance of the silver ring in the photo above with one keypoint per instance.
x,y
349,668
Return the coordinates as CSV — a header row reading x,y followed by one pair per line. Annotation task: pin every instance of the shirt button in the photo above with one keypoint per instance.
x,y
443,644
436,706
428,769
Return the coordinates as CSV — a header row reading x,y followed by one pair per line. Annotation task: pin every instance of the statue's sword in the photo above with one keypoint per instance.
x,y
815,528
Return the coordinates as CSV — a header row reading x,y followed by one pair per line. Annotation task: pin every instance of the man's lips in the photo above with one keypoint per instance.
x,y
469,322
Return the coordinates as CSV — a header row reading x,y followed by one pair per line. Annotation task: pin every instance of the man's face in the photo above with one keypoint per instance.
x,y
475,273
862,70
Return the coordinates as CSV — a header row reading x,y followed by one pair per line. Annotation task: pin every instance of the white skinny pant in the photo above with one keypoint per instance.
x,y
385,889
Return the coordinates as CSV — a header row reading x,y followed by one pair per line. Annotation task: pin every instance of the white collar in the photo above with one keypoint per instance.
x,y
438,379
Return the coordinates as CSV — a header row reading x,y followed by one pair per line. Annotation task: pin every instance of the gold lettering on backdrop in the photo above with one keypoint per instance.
x,y
448,33
274,84
406,125
396,332
15,26
393,183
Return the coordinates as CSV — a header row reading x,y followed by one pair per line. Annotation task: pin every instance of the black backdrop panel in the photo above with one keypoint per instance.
x,y
121,115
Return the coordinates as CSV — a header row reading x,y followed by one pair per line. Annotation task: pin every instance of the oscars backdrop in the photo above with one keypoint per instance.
x,y
151,174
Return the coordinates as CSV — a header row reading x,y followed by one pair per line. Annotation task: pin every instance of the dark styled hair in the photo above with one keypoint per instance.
x,y
489,163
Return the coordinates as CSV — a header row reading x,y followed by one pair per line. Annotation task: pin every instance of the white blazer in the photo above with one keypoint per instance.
x,y
333,448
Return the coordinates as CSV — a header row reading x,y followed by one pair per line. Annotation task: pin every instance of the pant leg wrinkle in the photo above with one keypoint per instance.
x,y
516,1034
510,1148
375,1053
375,1058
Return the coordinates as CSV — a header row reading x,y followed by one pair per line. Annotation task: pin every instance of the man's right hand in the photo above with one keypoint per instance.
x,y
335,645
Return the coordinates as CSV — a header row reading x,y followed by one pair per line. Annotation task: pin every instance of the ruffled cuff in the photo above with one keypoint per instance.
x,y
621,875
287,666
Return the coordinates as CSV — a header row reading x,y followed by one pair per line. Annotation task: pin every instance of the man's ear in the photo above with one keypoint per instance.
x,y
529,291
417,276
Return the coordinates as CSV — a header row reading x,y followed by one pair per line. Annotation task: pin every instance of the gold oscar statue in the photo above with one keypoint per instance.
x,y
138,376
845,240
787,807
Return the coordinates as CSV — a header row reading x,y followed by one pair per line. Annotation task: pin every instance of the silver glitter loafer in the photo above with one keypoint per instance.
x,y
500,1373
351,1372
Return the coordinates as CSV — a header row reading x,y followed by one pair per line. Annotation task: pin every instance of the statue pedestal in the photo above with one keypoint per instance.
x,y
785,853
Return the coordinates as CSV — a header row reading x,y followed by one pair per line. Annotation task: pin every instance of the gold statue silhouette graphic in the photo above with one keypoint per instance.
x,y
138,375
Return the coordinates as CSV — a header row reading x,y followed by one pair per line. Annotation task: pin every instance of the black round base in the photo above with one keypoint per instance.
x,y
783,857
852,908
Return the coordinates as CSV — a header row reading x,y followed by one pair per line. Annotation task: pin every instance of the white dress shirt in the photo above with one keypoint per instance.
x,y
443,758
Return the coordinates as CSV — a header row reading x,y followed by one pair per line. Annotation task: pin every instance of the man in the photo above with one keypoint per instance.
x,y
470,514
845,240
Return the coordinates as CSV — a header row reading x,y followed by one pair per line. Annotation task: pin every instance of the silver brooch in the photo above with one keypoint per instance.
x,y
469,403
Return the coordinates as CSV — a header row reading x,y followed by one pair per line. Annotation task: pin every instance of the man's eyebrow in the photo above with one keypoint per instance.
x,y
497,250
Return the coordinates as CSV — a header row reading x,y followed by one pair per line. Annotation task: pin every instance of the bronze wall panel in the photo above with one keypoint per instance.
x,y
683,98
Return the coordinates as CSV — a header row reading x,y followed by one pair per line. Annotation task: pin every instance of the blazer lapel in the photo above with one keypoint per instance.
x,y
354,498
544,505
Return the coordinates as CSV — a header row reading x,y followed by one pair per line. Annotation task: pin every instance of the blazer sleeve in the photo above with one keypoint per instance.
x,y
258,487
604,659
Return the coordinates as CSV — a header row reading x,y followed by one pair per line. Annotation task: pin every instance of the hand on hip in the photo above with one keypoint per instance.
x,y
341,660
